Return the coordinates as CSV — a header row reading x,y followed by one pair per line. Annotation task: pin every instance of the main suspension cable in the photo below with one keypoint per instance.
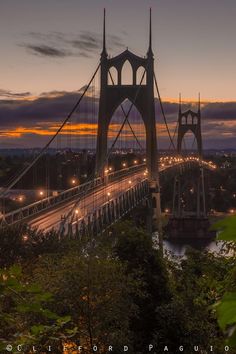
x,y
163,112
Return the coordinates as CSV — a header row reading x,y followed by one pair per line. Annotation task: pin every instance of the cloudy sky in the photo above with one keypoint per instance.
x,y
50,48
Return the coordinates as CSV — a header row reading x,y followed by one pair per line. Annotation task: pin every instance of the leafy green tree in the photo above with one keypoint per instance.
x,y
226,307
95,291
134,247
20,243
188,319
24,316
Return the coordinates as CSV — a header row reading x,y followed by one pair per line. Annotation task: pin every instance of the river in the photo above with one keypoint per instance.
x,y
178,247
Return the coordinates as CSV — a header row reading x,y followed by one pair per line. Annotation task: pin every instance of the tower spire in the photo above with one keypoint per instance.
x,y
150,32
180,103
104,51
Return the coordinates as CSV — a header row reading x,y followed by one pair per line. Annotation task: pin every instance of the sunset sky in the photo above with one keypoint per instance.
x,y
50,48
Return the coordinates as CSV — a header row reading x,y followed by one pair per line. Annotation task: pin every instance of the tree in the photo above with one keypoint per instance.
x,y
135,247
94,290
24,316
189,319
226,307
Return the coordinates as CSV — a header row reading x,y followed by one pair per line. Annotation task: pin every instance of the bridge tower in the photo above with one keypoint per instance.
x,y
189,121
141,94
185,223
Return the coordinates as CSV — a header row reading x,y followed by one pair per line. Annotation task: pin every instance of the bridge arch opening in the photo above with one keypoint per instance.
x,y
189,144
194,120
112,76
141,76
127,73
129,150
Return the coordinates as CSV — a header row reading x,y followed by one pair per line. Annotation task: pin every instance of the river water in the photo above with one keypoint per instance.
x,y
178,247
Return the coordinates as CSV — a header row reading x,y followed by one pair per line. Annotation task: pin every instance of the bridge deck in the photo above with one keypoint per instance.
x,y
51,219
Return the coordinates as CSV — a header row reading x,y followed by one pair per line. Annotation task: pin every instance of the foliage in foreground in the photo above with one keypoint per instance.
x,y
113,289
226,308
24,314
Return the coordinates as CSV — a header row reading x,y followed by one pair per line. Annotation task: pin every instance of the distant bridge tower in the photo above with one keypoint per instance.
x,y
189,121
189,216
141,95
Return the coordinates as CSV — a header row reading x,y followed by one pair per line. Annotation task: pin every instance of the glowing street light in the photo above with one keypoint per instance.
x,y
41,193
110,168
124,164
25,238
130,181
135,162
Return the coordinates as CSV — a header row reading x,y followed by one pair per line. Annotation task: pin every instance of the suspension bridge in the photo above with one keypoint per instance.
x,y
107,196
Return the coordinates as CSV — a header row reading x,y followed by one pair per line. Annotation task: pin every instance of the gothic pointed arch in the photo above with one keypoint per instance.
x,y
127,73
189,121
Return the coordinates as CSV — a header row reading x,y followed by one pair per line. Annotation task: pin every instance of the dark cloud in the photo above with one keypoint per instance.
x,y
45,50
51,108
220,110
60,45
10,94
48,108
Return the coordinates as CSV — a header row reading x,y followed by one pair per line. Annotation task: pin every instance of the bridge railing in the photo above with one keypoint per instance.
x,y
29,211
110,212
35,208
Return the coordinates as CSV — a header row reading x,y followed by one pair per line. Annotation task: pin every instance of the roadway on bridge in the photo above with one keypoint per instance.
x,y
49,219
52,218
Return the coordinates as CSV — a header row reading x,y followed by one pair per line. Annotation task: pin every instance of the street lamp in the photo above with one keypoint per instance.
x,y
25,238
41,193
